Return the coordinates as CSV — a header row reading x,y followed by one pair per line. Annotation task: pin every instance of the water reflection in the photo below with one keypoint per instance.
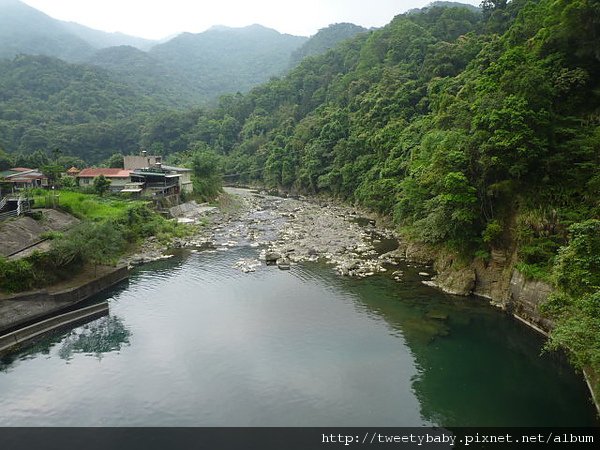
x,y
104,335
216,347
477,367
107,334
32,351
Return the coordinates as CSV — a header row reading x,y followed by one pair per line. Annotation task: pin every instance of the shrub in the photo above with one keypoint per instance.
x,y
16,275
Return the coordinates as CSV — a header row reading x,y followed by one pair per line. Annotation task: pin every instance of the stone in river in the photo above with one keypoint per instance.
x,y
283,264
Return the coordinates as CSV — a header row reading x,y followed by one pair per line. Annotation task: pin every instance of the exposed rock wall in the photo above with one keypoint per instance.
x,y
526,296
496,280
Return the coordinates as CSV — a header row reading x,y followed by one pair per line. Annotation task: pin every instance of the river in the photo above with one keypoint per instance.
x,y
194,341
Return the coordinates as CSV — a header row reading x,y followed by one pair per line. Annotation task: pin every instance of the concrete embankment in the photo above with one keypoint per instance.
x,y
27,308
23,335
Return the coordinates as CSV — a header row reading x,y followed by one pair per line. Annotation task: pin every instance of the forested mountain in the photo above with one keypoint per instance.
x,y
325,39
24,29
196,68
222,59
189,69
148,75
444,4
102,39
48,104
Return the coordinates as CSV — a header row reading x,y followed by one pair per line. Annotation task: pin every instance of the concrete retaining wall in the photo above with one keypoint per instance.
x,y
23,309
26,334
81,293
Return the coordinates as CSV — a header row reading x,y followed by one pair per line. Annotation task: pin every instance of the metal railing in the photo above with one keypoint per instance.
x,y
23,206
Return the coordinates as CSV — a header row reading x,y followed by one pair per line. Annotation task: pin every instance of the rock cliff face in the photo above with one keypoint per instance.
x,y
526,296
496,280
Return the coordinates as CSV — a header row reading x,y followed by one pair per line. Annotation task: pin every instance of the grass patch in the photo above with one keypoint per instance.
x,y
535,272
90,206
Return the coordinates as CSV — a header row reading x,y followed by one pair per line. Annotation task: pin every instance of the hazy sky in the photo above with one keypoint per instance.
x,y
155,19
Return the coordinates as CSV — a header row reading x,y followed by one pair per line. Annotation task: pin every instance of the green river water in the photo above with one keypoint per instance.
x,y
192,341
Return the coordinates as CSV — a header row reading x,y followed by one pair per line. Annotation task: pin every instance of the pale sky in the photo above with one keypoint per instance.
x,y
154,19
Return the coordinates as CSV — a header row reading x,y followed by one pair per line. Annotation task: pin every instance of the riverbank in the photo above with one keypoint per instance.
x,y
289,231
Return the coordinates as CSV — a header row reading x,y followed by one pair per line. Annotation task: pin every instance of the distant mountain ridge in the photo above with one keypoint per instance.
x,y
102,39
26,30
222,59
445,4
325,39
138,69
191,68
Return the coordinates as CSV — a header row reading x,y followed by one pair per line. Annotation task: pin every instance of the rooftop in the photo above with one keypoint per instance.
x,y
19,174
176,169
107,172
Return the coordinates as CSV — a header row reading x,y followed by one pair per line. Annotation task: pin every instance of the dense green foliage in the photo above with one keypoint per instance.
x,y
47,104
91,111
193,69
576,303
101,185
149,75
207,174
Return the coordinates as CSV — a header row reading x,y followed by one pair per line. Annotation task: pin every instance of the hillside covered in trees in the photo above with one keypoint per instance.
x,y
325,39
185,71
48,104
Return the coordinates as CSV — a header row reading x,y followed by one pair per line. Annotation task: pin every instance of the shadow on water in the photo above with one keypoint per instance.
x,y
95,337
476,365
99,336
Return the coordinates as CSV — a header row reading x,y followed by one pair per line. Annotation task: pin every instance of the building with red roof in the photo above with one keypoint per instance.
x,y
118,177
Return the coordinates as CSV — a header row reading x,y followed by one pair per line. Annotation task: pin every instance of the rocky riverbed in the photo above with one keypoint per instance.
x,y
287,231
